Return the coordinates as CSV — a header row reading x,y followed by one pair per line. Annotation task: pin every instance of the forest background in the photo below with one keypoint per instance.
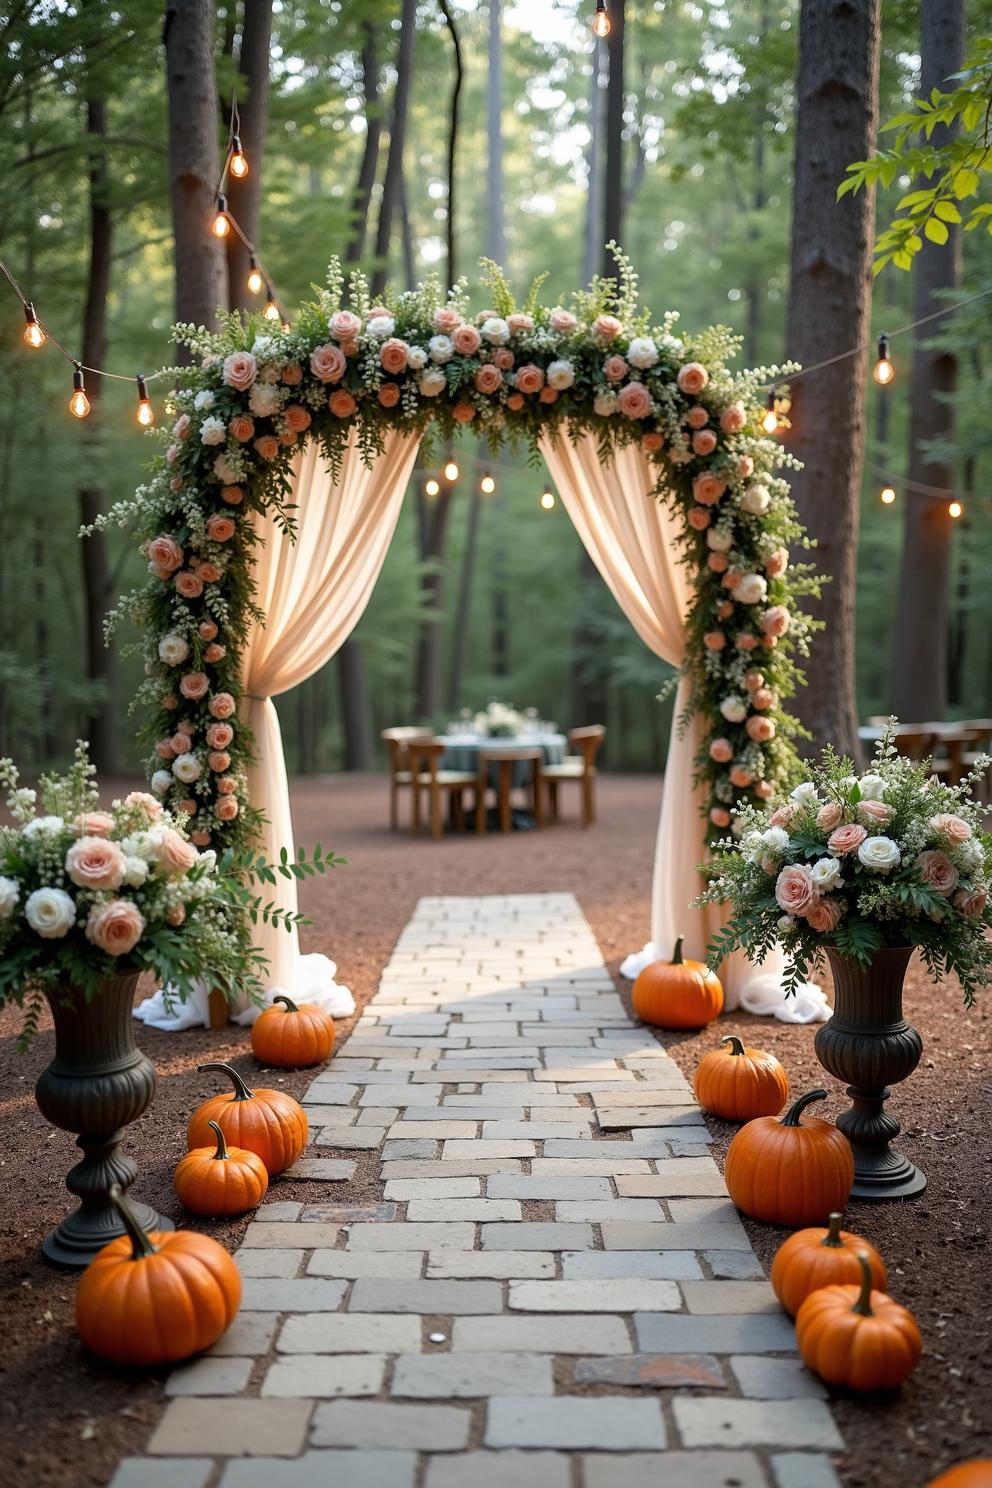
x,y
689,159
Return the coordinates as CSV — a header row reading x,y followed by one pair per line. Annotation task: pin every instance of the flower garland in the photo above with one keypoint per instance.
x,y
423,363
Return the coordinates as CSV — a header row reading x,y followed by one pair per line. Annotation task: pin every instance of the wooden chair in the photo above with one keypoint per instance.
x,y
580,765
400,778
425,755
504,760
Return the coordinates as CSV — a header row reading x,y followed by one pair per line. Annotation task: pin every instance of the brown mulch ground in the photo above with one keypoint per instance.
x,y
65,1419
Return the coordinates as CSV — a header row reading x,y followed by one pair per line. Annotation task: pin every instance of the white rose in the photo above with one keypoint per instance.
x,y
161,782
213,431
805,794
560,374
262,345
719,540
756,500
734,708
496,331
826,874
432,383
187,768
135,871
880,854
752,589
970,855
172,649
204,401
642,352
263,400
777,838
604,404
440,349
381,326
10,893
51,913
43,826
872,788
416,358
785,923
225,471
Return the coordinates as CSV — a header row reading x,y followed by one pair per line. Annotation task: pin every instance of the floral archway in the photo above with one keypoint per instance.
x,y
630,412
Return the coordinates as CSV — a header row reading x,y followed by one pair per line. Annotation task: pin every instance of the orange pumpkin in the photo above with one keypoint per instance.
x,y
974,1474
220,1180
269,1123
155,1298
677,993
739,1084
790,1172
852,1336
816,1258
290,1037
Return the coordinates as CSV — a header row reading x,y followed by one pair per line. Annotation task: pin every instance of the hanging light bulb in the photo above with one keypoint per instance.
x,y
255,280
222,223
601,20
146,413
79,404
33,334
884,371
887,495
239,160
769,419
955,510
271,308
487,484
451,471
432,488
548,500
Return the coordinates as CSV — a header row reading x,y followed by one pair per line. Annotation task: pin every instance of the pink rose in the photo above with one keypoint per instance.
x,y
219,735
115,927
393,355
952,829
201,838
344,326
466,340
342,404
704,442
519,323
938,872
718,562
292,374
267,445
463,412
652,442
503,358
220,528
776,563
824,915
794,889
724,609
562,321
222,705
714,640
206,630
548,395
165,553
745,466
829,816
194,685
764,789
145,803
297,417
446,320
722,751
697,417
740,777
176,856
515,402
529,379
733,419
745,641
188,806
182,426
634,401
615,368
94,824
233,495
181,743
763,698
214,653
776,621
239,370
707,489
389,394
692,378
875,813
753,680
606,327
219,761
226,808
488,378
783,816
971,902
242,427
227,785
760,729
95,863
327,363
844,840
731,579
208,572
719,816
188,585
165,749
172,454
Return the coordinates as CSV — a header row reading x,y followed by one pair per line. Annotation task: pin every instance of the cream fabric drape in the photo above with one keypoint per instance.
x,y
633,540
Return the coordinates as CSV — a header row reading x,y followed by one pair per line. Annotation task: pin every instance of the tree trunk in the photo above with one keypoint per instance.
x,y
397,135
613,187
194,161
494,135
362,195
919,653
456,90
594,174
356,710
829,300
245,195
754,290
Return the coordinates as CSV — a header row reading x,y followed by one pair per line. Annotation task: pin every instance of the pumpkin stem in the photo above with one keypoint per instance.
x,y
141,1245
221,1153
736,1044
792,1115
863,1303
677,953
832,1237
241,1091
287,1002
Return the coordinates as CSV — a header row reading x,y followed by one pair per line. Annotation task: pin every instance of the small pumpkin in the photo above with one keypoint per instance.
x,y
853,1336
269,1123
974,1474
788,1171
291,1037
677,993
739,1084
155,1298
219,1180
816,1258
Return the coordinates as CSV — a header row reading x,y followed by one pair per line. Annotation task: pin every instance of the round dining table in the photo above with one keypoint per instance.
x,y
462,750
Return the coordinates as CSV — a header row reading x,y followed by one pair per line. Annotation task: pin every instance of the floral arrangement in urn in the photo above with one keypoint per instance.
x,y
499,721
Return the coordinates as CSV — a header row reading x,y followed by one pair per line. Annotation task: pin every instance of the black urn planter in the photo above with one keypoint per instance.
x,y
870,1045
98,1082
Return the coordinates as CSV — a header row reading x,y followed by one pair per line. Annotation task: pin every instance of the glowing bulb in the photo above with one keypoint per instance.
x,y
888,495
451,471
239,161
955,510
487,484
146,413
221,223
884,371
33,334
255,280
432,488
271,308
769,422
79,404
601,21
547,501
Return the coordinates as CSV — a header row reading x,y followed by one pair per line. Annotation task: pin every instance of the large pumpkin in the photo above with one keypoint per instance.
x,y
816,1258
155,1298
790,1172
974,1474
677,993
219,1180
269,1123
852,1336
291,1037
740,1084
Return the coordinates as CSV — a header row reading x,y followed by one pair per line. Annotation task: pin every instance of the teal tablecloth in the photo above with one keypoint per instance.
x,y
462,752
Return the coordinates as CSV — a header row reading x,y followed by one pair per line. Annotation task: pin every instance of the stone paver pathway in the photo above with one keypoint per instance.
x,y
555,1291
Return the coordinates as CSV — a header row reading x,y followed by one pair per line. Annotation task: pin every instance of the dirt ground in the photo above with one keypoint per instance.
x,y
65,1419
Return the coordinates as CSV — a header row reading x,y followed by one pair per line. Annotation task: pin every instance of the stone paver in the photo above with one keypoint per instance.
x,y
551,1223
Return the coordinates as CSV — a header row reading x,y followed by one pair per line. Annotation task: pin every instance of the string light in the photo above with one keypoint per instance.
x,y
547,500
769,420
432,488
271,308
238,161
79,404
221,223
487,485
146,413
451,471
887,495
255,281
601,20
955,510
884,371
33,333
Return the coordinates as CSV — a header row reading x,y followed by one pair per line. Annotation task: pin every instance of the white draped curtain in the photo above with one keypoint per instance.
x,y
633,540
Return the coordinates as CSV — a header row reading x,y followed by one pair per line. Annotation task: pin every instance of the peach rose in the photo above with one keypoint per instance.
x,y
389,394
847,839
327,363
182,426
145,803
214,653
220,528
652,442
466,340
342,404
115,927
714,640
503,358
824,915
829,816
764,789
776,621
181,743
393,355
286,437
344,325
268,445
562,321
692,378
188,584
176,915
733,419
783,816
719,816
753,680
718,563
698,518
697,417
776,563
731,579
446,320
463,413
763,698
724,609
745,641
634,401
94,824
722,751
971,902
239,370
875,813
704,442
740,777
760,729
208,572
206,630
219,735
515,402
233,495
707,489
166,554
221,705
606,327
488,378
548,395
745,466
227,785
297,417
201,838
188,806
794,889
176,856
165,749
615,368
219,761
937,871
951,829
226,808
242,427
95,863
529,379
292,374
